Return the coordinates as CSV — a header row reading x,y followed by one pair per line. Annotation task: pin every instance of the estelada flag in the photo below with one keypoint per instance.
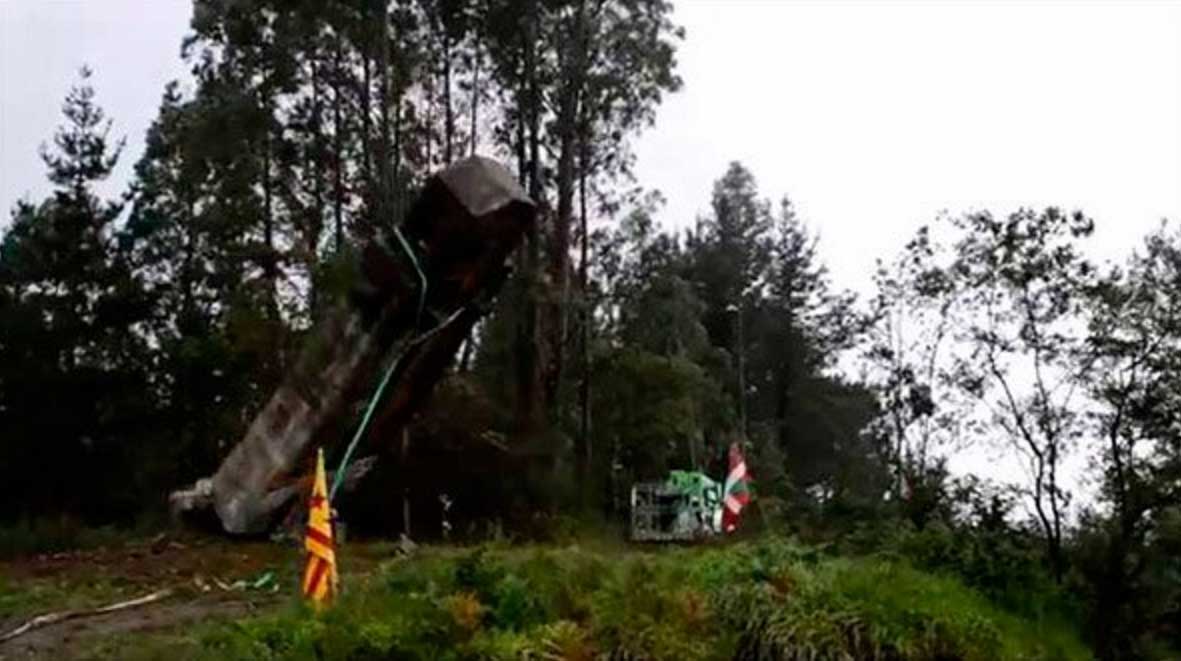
x,y
319,576
736,492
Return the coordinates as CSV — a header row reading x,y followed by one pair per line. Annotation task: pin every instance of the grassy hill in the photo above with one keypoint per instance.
x,y
766,599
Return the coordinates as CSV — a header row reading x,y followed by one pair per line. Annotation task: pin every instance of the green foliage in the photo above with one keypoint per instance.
x,y
733,602
1135,336
1005,567
1131,590
135,346
474,572
957,331
654,410
26,597
43,535
741,304
73,379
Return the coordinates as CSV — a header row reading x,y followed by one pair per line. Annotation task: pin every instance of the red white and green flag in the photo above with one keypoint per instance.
x,y
736,492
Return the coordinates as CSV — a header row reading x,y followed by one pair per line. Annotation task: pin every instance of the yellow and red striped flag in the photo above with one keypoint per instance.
x,y
319,577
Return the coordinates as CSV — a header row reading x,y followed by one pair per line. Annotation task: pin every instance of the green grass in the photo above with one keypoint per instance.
x,y
765,599
28,597
53,535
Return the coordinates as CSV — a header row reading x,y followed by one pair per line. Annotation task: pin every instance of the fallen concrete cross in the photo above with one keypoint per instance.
x,y
419,292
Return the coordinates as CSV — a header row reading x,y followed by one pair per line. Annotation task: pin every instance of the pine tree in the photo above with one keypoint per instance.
x,y
75,388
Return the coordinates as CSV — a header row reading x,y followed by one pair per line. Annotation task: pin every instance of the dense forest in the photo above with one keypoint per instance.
x,y
140,334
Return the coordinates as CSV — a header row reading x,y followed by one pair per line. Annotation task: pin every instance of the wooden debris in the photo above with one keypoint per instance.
x,y
61,616
159,543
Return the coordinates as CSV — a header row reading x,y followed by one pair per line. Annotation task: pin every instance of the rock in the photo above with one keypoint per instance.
x,y
405,545
159,543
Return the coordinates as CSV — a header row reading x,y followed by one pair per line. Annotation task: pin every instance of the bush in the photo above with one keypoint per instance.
x,y
1006,567
50,535
770,598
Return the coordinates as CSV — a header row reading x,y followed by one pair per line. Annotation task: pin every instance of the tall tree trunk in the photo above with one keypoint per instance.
x,y
572,66
337,154
586,314
371,187
367,120
405,455
316,222
465,358
430,119
449,114
529,387
741,369
398,202
523,349
559,256
1056,553
1111,593
468,344
522,154
268,220
385,188
784,374
190,249
475,96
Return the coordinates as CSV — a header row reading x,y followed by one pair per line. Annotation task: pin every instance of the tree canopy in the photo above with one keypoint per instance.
x,y
140,334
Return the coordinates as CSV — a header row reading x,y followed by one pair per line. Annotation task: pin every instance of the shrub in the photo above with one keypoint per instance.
x,y
769,598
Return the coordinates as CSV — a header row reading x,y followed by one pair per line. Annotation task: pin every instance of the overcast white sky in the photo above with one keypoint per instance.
x,y
133,47
872,116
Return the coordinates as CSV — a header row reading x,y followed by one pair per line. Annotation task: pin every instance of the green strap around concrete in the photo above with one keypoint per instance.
x,y
378,394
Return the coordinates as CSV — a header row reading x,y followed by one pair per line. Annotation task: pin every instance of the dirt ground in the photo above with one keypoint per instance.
x,y
70,639
209,577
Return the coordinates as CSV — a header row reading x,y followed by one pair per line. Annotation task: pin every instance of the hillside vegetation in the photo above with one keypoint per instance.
x,y
768,599
146,320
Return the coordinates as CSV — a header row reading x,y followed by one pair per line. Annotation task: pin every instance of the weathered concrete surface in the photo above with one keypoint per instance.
x,y
462,228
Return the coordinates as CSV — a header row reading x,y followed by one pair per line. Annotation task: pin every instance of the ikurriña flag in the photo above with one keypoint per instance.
x,y
736,492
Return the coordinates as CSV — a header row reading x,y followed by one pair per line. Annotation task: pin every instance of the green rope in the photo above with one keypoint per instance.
x,y
378,394
348,453
418,269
